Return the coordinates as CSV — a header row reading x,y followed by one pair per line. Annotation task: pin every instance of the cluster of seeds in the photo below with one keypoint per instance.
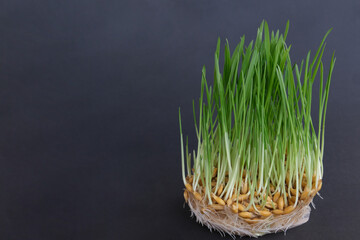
x,y
273,204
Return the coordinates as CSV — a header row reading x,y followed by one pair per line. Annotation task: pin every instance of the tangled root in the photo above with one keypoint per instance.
x,y
226,222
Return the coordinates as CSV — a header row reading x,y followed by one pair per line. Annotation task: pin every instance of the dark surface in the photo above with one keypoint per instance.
x,y
89,97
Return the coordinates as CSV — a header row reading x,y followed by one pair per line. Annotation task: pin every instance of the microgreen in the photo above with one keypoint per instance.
x,y
255,119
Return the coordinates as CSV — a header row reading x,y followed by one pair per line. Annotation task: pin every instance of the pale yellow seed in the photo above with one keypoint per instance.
x,y
220,189
244,188
252,221
272,188
270,205
234,208
246,215
293,191
287,179
186,196
191,179
218,200
293,199
214,172
243,197
276,196
197,196
319,185
217,206
305,193
269,199
289,209
241,207
277,212
280,203
188,187
233,197
213,184
313,192
265,213
251,209
314,178
229,202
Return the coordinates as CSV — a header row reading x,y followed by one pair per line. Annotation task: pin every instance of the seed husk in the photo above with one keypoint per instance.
x,y
241,207
271,205
314,178
214,172
293,191
276,196
234,208
197,196
220,189
265,213
243,197
244,188
246,215
218,200
305,193
186,196
319,185
312,192
289,209
233,197
287,179
188,187
252,221
251,209
191,179
281,203
277,211
217,206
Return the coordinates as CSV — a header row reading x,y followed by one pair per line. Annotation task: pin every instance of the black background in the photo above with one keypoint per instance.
x,y
89,97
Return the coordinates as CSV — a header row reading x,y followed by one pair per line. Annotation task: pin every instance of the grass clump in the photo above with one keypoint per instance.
x,y
257,143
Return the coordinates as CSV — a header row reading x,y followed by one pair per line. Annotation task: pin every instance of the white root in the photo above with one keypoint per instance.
x,y
226,222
